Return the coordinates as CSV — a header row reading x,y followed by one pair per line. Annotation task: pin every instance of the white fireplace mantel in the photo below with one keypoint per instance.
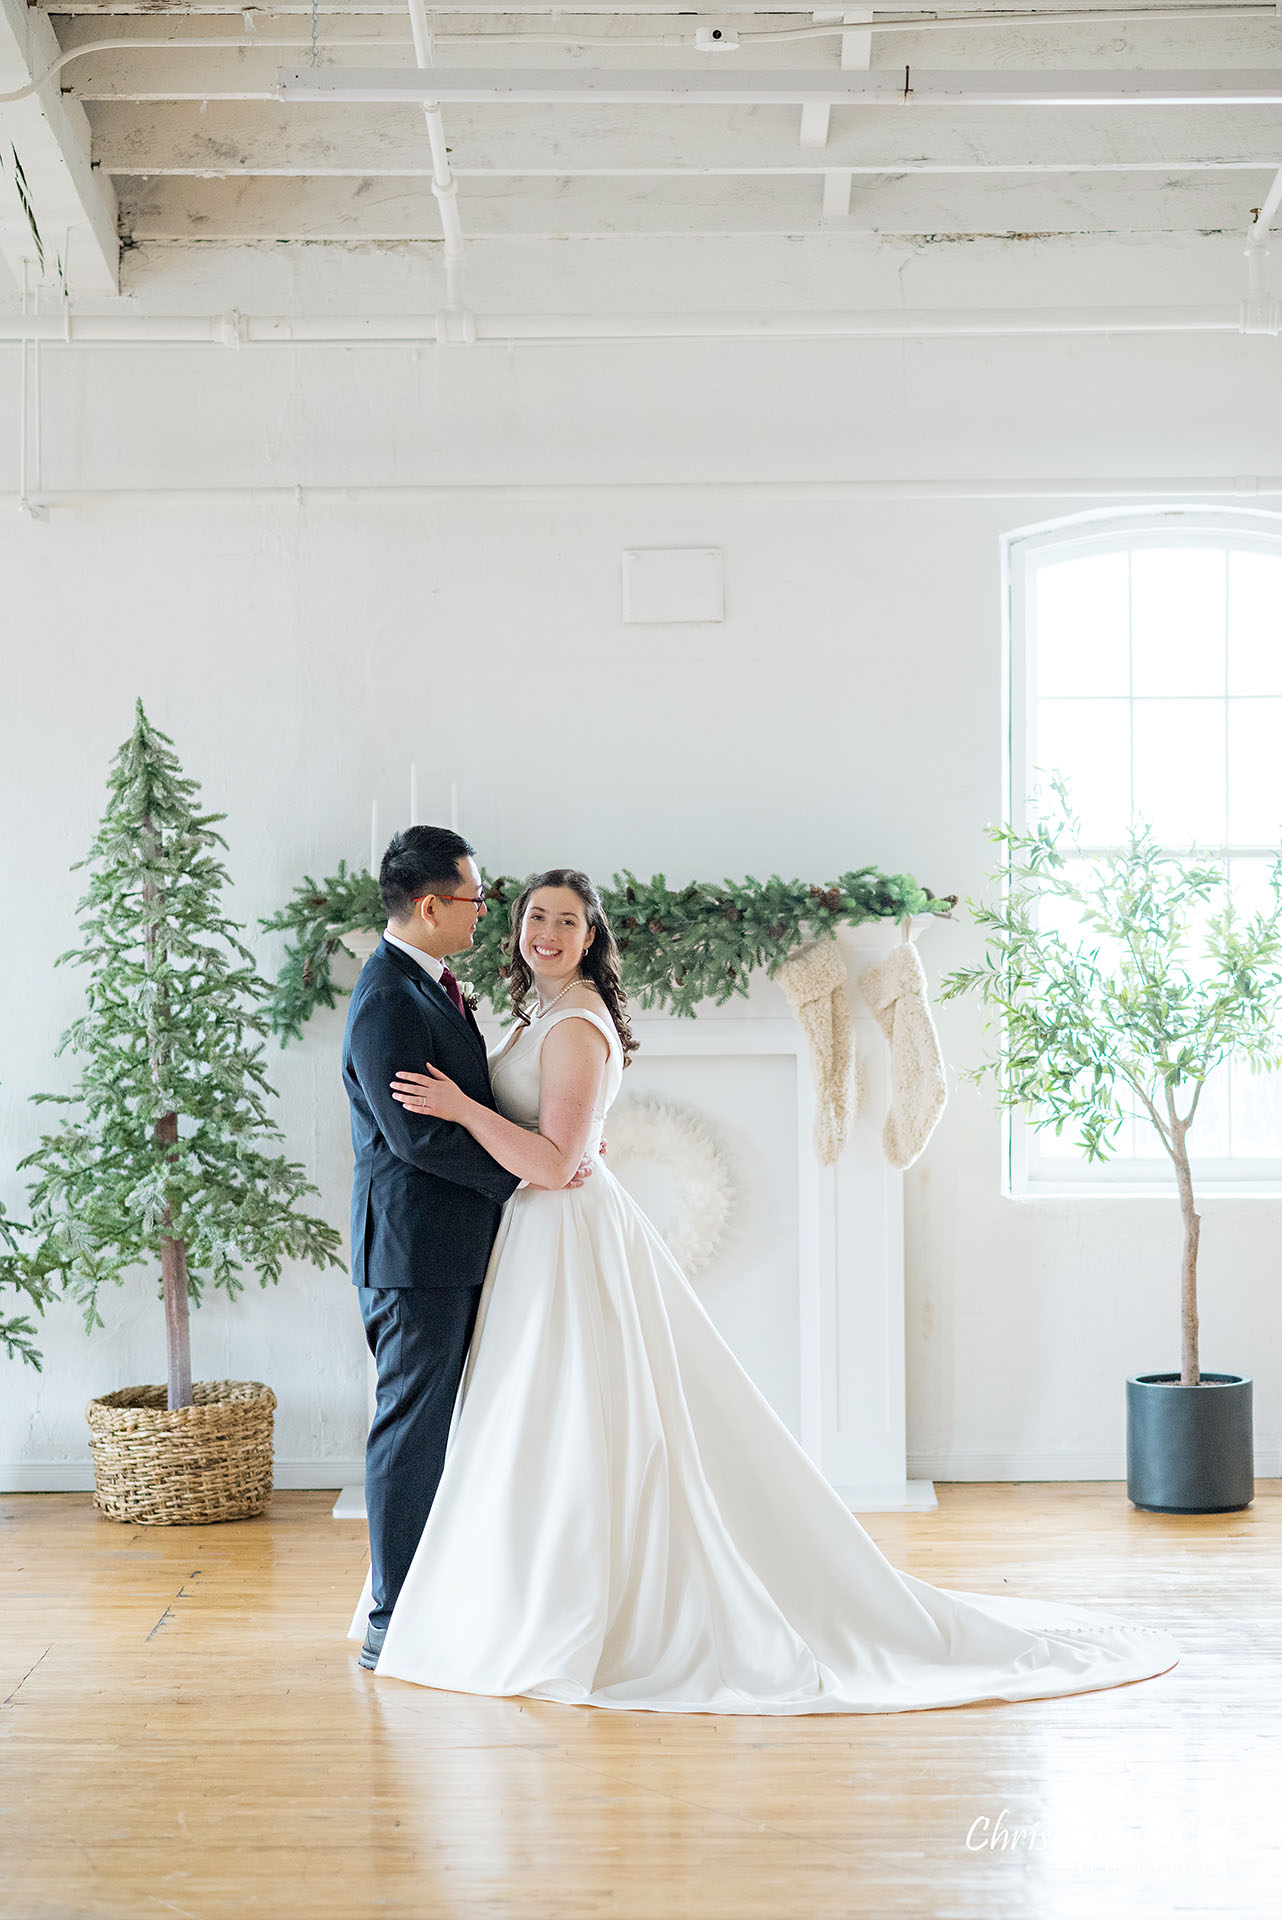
x,y
850,1241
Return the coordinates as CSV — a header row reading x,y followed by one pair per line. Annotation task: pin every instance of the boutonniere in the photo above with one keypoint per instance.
x,y
471,1000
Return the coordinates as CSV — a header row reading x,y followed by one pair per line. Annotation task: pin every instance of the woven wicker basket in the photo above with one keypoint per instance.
x,y
211,1461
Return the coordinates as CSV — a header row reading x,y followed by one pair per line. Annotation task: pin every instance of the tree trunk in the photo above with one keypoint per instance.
x,y
173,1253
1189,1373
173,1267
173,1271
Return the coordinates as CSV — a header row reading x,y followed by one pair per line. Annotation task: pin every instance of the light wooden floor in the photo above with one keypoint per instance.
x,y
185,1731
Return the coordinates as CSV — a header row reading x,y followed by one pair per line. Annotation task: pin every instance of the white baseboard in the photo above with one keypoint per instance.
x,y
905,1496
1049,1466
46,1476
76,1476
302,1475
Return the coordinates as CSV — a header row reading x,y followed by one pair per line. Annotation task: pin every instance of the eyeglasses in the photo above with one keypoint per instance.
x,y
470,899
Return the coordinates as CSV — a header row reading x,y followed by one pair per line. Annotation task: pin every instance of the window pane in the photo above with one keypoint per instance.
x,y
1256,1113
1255,772
1177,620
1179,770
1208,1137
1083,626
1255,623
1068,1145
1059,1146
1157,683
1252,887
1088,742
1148,1145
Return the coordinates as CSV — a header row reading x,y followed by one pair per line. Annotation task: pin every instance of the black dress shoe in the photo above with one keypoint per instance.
x,y
374,1638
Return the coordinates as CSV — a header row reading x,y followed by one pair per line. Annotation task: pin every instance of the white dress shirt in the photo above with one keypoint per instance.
x,y
430,964
428,961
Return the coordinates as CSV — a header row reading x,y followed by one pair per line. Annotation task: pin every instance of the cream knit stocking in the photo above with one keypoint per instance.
x,y
895,990
814,980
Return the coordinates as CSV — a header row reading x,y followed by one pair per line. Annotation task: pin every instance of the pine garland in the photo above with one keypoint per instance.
x,y
319,916
165,1161
680,946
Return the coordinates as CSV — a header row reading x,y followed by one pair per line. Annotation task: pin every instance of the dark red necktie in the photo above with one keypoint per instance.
x,y
452,987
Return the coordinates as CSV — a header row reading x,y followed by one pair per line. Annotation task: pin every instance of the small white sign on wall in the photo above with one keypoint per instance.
x,y
673,586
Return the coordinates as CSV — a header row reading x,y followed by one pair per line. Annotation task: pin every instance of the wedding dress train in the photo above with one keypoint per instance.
x,y
624,1522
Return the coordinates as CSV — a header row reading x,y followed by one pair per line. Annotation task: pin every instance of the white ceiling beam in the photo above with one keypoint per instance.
x,y
710,87
856,57
250,209
486,10
912,16
272,138
57,216
162,63
816,114
813,131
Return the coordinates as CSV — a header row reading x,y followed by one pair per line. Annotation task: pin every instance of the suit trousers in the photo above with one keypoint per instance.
x,y
419,1337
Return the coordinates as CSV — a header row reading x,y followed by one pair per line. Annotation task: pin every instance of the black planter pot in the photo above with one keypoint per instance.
x,y
1189,1449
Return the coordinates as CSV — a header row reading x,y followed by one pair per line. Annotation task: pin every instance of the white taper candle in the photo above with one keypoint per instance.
x,y
454,804
413,793
373,838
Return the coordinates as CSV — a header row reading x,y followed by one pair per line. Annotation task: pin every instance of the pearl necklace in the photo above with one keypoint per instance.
x,y
560,996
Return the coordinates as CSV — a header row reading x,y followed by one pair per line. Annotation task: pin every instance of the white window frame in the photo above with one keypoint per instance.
x,y
1027,1173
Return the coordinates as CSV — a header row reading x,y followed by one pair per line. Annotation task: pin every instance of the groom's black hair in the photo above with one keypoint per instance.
x,y
420,860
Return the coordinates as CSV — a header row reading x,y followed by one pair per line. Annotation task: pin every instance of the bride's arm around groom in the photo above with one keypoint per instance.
x,y
573,1061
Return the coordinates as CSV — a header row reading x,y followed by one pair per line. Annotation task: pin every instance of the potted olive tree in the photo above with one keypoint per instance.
x,y
1121,982
167,1155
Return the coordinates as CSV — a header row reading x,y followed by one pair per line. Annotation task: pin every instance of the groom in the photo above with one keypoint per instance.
x,y
426,1199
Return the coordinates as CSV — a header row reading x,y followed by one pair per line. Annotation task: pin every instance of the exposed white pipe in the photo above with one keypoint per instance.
x,y
444,185
24,398
1194,491
1218,10
608,43
716,87
1260,309
298,330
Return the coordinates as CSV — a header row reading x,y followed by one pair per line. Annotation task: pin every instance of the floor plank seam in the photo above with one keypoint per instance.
x,y
11,1697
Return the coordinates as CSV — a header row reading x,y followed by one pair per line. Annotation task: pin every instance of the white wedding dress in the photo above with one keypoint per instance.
x,y
624,1522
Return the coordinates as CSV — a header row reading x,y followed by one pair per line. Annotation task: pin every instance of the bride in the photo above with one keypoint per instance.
x,y
623,1521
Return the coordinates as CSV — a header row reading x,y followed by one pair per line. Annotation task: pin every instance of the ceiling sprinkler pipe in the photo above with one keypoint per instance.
x,y
455,324
444,185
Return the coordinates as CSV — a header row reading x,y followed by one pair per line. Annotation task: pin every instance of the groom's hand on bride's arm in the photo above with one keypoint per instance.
x,y
582,1173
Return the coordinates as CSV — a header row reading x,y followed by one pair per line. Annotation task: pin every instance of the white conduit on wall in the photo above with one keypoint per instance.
x,y
1260,315
1195,491
1214,9
444,185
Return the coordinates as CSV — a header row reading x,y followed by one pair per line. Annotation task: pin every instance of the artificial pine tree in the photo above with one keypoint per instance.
x,y
167,1161
17,1331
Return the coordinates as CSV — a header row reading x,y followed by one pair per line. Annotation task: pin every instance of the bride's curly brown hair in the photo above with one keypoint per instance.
x,y
600,962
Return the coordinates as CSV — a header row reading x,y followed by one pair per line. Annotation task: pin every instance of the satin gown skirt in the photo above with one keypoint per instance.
x,y
624,1522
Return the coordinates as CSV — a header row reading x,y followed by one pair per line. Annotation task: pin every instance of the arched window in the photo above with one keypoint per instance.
x,y
1146,667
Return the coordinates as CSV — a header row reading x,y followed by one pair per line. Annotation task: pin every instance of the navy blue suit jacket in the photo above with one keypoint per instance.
x,y
426,1198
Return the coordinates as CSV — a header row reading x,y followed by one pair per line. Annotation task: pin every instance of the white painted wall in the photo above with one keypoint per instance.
x,y
848,710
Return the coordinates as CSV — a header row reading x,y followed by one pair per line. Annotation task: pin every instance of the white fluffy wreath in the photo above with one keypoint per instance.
x,y
679,1138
